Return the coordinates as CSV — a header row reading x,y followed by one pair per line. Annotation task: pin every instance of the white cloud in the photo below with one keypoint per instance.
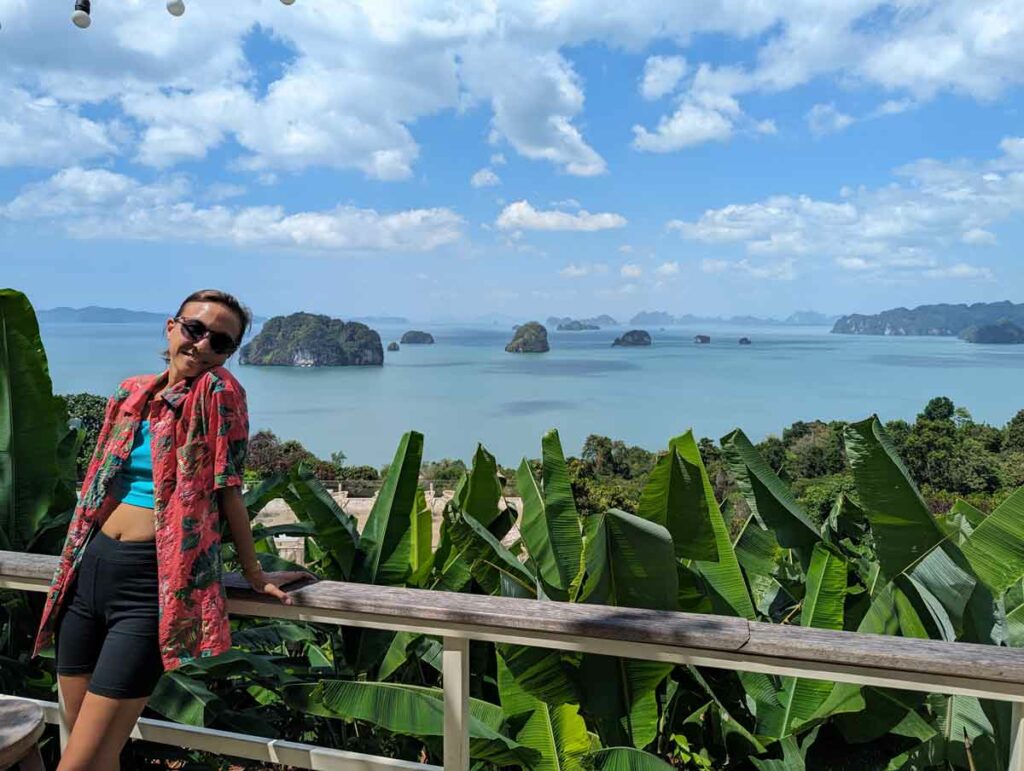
x,y
626,249
900,227
40,131
520,215
661,75
694,122
711,265
826,119
498,159
631,270
667,269
484,178
95,203
979,237
783,270
574,271
960,270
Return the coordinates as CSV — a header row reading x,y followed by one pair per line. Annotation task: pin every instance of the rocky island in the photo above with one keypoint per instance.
x,y
943,320
531,337
701,339
415,337
576,326
313,340
393,346
633,337
744,341
604,320
1003,333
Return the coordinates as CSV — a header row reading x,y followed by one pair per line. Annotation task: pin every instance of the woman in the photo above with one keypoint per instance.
x,y
138,590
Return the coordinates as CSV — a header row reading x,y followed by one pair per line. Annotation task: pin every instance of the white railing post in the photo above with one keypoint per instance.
x,y
455,678
62,719
1017,736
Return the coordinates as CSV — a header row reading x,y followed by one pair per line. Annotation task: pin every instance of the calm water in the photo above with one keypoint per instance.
x,y
466,389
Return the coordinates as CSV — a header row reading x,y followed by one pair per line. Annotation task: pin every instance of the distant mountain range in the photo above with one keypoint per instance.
x,y
94,314
942,320
663,319
381,319
604,320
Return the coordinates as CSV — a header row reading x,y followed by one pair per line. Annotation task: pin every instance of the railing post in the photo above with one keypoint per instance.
x,y
455,678
62,719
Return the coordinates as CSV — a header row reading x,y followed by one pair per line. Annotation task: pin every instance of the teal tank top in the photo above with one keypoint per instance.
x,y
137,472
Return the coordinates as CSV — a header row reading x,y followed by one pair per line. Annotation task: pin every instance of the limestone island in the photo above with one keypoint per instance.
x,y
702,339
1002,333
595,322
744,341
531,337
393,346
415,337
574,325
313,340
633,337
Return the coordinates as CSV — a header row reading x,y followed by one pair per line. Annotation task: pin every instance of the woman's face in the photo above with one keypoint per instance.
x,y
189,359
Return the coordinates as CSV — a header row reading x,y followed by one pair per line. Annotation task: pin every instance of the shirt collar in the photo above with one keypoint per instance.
x,y
149,385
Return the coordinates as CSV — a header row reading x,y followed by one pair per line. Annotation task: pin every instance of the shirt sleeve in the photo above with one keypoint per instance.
x,y
229,434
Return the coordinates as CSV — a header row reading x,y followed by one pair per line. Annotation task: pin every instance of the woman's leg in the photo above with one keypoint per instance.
x,y
100,733
72,691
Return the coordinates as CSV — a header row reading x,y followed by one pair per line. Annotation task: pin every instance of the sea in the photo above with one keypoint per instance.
x,y
465,389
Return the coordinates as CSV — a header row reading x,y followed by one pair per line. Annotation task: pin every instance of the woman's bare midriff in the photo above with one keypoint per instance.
x,y
130,523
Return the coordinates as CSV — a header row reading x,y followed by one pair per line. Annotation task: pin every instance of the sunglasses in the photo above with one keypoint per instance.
x,y
195,330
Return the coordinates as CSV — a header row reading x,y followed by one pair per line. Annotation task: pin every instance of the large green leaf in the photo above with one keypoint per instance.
x,y
336,531
489,561
768,497
630,562
626,759
385,541
550,525
410,711
558,733
996,547
30,424
480,492
903,528
675,498
822,609
185,699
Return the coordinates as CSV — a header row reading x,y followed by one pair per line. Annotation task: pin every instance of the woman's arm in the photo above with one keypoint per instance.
x,y
233,508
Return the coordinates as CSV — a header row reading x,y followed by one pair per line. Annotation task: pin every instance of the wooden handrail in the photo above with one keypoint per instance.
x,y
984,671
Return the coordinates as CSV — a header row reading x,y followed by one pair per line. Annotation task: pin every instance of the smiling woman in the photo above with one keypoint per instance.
x,y
138,590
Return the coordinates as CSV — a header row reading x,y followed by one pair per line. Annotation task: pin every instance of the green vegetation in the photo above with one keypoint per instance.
x,y
633,337
1003,333
416,337
942,320
312,340
530,337
880,561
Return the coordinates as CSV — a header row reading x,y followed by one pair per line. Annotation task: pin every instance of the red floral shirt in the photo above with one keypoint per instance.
x,y
199,435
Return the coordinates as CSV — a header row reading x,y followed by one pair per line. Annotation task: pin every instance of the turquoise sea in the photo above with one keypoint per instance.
x,y
465,389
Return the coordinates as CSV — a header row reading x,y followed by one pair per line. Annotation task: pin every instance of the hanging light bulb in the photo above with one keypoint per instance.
x,y
176,7
288,2
81,16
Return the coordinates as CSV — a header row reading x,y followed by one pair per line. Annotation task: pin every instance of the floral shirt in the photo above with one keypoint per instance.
x,y
199,435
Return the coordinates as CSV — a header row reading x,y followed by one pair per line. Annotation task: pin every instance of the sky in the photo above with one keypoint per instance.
x,y
517,158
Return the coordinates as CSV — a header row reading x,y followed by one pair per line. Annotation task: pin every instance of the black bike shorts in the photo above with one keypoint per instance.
x,y
110,627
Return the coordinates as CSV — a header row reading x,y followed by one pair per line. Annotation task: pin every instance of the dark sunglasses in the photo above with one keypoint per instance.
x,y
195,330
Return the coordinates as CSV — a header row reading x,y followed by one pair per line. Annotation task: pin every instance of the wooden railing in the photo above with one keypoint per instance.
x,y
983,671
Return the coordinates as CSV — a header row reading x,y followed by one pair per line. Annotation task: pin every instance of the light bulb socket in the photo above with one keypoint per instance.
x,y
81,17
83,5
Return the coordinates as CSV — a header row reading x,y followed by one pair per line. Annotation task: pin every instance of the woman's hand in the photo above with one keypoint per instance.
x,y
271,583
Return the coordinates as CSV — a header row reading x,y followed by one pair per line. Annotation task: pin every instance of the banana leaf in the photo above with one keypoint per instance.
x,y
901,524
336,531
550,525
626,759
996,547
184,699
768,497
675,498
410,711
794,755
489,561
630,562
421,534
800,697
480,491
30,424
558,733
385,542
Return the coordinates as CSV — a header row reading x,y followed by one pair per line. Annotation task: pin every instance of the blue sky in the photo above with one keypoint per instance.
x,y
435,159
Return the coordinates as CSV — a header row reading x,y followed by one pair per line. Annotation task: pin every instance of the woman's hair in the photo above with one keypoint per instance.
x,y
217,296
